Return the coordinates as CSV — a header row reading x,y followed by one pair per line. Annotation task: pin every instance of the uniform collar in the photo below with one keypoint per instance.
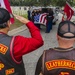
x,y
63,49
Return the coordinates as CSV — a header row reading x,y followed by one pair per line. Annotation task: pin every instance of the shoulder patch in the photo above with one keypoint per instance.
x,y
3,49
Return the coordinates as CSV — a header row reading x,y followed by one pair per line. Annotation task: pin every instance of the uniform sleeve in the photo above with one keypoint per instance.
x,y
24,45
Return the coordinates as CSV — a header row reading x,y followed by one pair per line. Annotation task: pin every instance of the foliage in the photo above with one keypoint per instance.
x,y
61,3
40,2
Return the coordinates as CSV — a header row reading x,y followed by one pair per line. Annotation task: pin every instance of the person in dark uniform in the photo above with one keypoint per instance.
x,y
37,14
29,14
12,48
59,60
33,14
49,18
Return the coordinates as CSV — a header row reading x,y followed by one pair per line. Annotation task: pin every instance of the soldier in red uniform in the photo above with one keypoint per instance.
x,y
12,48
59,60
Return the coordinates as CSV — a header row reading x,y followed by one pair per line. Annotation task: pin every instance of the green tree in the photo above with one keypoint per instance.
x,y
60,3
41,2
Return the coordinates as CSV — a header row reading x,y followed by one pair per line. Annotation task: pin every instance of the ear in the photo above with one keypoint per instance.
x,y
57,37
8,23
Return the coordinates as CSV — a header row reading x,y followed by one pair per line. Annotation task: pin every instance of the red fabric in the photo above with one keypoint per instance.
x,y
68,10
7,5
24,45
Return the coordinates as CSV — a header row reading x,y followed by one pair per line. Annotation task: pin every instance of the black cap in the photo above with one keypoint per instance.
x,y
4,16
66,27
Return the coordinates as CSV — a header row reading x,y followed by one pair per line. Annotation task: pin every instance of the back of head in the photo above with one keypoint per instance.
x,y
66,29
66,34
4,17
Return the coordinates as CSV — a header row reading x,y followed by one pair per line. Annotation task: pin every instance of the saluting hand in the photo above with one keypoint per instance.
x,y
21,19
